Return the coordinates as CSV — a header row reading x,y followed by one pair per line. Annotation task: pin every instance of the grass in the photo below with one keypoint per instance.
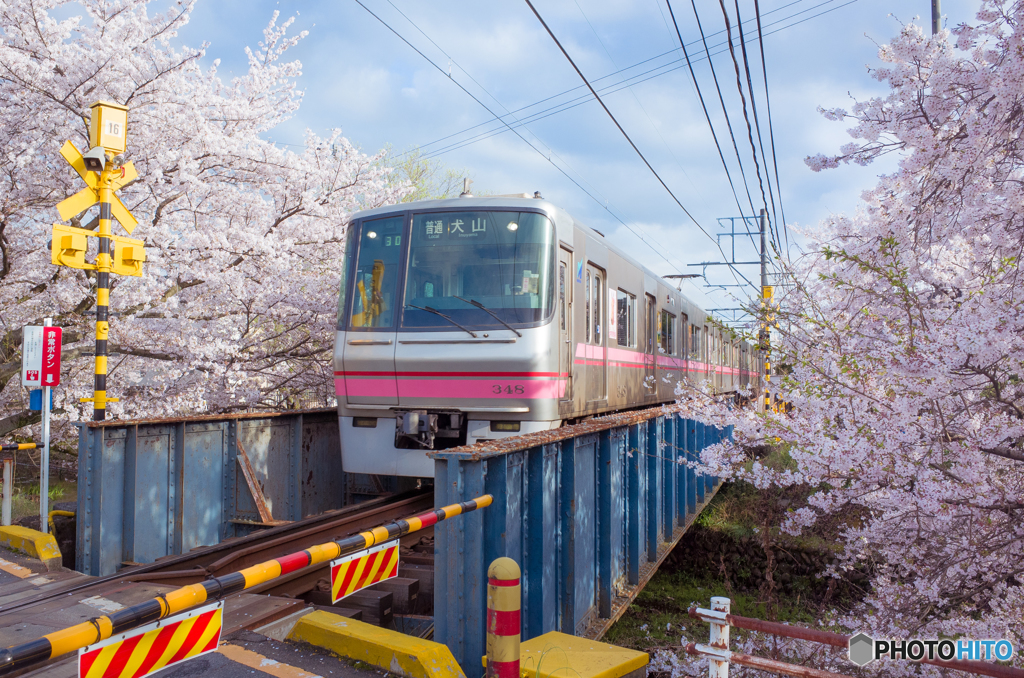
x,y
723,555
25,501
658,617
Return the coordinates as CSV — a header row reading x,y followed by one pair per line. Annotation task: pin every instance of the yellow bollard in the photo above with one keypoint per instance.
x,y
503,605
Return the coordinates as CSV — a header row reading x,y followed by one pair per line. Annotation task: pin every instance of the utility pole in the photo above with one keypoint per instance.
x,y
767,293
936,18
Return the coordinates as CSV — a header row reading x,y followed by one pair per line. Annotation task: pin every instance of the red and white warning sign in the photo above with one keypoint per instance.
x,y
50,374
40,356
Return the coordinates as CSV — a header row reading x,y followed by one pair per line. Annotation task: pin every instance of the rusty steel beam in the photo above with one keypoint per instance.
x,y
497,448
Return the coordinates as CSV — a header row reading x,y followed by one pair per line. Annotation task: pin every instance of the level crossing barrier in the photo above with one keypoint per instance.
x,y
88,633
589,511
720,656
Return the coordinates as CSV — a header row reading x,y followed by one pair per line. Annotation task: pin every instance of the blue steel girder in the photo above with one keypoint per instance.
x,y
588,511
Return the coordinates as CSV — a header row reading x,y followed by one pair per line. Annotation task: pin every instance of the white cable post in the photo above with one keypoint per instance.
x,y
719,639
8,491
44,462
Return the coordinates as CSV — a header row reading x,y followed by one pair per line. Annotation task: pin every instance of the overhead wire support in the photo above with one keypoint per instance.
x,y
619,126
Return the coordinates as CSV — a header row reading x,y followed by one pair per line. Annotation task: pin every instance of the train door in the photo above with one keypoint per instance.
x,y
597,361
565,357
651,348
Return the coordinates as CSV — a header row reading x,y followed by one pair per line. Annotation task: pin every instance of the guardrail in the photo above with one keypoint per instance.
x,y
717,651
98,629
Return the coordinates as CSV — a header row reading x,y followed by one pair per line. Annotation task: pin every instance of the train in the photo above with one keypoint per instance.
x,y
479,318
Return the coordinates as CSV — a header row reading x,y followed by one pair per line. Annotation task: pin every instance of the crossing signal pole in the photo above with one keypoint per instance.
x,y
103,170
767,295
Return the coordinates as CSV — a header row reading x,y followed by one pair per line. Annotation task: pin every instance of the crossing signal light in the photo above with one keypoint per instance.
x,y
128,256
68,247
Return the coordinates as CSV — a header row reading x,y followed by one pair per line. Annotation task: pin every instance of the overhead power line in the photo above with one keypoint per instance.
x,y
604,203
743,105
630,81
623,131
707,116
771,131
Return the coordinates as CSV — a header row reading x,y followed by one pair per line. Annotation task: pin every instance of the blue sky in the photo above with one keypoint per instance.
x,y
360,77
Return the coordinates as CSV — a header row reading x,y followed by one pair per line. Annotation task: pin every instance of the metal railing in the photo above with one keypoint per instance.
x,y
720,656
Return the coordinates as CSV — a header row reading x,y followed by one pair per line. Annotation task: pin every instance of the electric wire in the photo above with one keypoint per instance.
x,y
640,104
746,117
657,71
707,116
757,124
624,134
771,131
725,110
477,100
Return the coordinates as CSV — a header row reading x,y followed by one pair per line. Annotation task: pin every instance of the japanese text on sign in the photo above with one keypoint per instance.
x,y
50,374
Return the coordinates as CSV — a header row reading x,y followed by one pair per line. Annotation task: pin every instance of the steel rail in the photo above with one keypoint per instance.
x,y
358,513
65,641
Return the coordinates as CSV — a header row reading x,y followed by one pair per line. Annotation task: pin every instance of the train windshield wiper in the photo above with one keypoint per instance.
x,y
446,317
476,303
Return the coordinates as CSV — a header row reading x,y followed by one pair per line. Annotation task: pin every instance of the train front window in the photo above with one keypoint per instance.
x,y
375,287
470,265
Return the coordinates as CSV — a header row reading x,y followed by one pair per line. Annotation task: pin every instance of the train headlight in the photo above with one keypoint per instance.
x,y
512,226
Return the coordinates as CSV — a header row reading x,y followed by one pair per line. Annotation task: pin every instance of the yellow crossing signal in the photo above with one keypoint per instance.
x,y
103,172
89,196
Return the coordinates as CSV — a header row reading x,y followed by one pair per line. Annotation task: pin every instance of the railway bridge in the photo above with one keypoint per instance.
x,y
588,511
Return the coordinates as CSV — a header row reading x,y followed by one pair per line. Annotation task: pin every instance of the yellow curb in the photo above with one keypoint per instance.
x,y
386,649
558,655
257,661
33,543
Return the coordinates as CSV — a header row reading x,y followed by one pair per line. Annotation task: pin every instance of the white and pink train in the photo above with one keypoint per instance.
x,y
480,318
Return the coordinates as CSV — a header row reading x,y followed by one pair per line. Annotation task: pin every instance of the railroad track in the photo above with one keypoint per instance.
x,y
248,609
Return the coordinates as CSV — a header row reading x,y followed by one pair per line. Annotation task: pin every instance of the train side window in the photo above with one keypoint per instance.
x,y
683,322
561,294
625,319
695,342
586,293
666,332
598,296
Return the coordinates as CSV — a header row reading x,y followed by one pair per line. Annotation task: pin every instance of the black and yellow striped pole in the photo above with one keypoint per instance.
x,y
71,639
103,265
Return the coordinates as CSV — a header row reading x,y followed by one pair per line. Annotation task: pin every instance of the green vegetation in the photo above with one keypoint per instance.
x,y
735,549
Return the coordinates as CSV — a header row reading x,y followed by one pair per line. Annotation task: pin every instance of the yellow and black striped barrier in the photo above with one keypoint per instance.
x,y
14,447
88,633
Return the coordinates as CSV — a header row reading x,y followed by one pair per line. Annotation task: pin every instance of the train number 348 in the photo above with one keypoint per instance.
x,y
508,389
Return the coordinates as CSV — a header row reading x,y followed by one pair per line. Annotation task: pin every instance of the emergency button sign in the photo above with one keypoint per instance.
x,y
40,356
50,374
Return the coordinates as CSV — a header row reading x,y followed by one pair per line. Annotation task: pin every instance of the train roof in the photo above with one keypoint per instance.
x,y
517,201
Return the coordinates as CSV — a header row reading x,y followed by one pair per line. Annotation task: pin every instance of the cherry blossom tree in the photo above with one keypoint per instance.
x,y
905,337
236,307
